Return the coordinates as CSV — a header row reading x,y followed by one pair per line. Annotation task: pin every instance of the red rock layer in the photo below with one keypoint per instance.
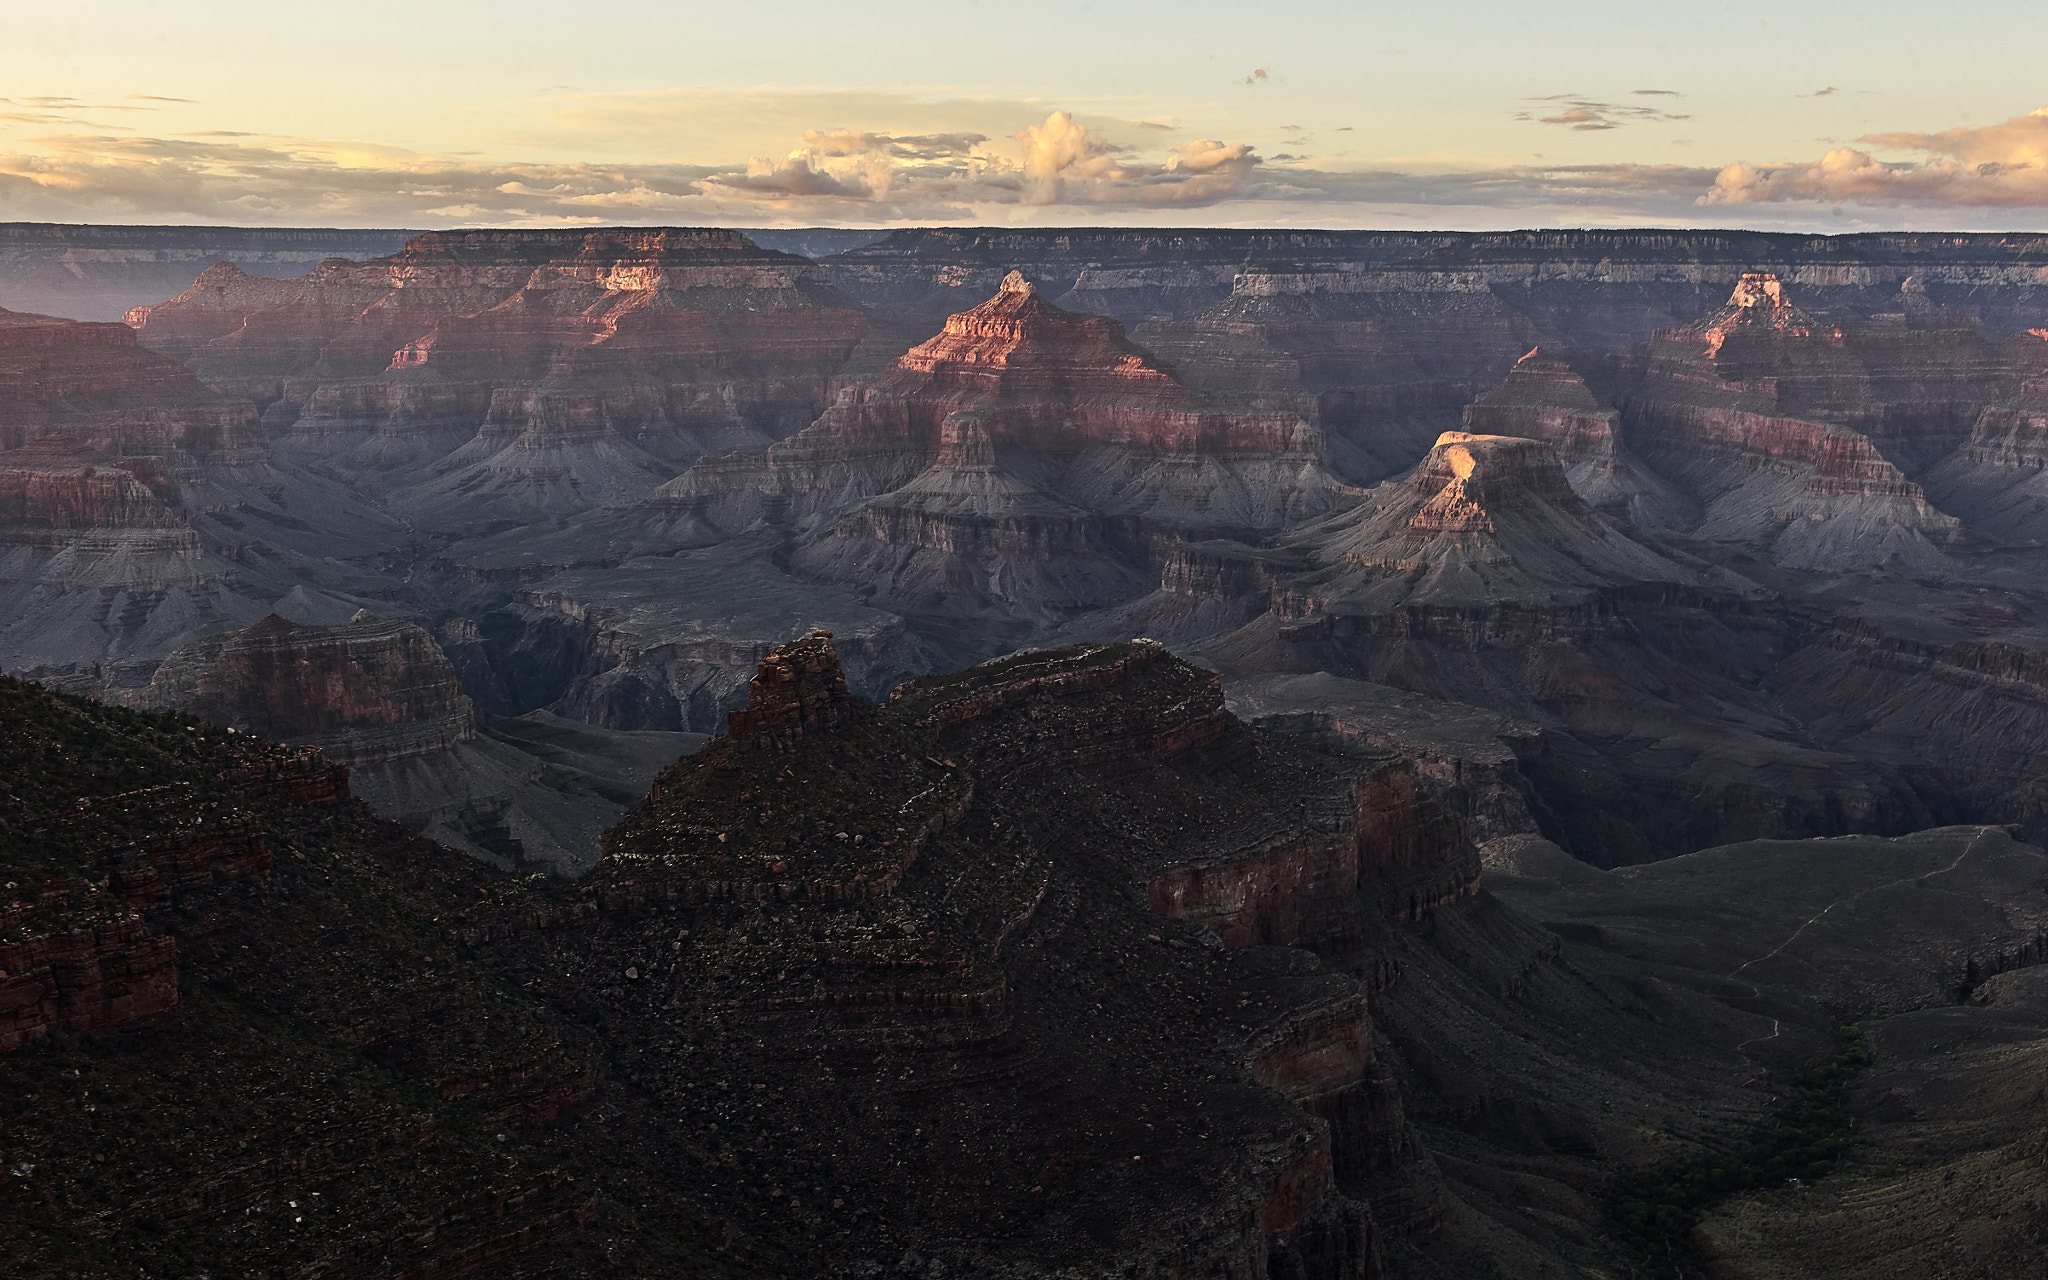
x,y
677,327
51,483
1915,394
1047,379
92,385
799,687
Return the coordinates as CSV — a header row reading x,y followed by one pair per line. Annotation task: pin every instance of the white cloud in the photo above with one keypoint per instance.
x,y
2001,165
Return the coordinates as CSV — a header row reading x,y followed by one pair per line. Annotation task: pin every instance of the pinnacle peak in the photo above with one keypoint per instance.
x,y
1016,283
1757,288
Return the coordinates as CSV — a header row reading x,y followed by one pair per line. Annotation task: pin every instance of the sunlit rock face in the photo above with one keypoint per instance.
x,y
1546,396
1024,461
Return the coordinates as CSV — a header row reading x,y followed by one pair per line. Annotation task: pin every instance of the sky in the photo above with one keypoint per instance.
x,y
1453,114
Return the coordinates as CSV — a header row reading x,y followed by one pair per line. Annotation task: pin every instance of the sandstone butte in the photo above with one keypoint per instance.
x,y
1026,457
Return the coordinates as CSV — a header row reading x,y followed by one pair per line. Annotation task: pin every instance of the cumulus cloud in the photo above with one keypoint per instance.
x,y
1258,76
1995,165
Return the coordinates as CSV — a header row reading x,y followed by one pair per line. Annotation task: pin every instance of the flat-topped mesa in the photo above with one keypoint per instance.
x,y
799,687
367,690
53,484
700,338
91,384
1471,474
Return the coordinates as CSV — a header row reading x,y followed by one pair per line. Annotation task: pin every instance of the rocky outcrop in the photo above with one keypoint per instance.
x,y
1470,759
365,691
691,340
799,687
1027,452
934,797
1383,356
1122,1089
1546,397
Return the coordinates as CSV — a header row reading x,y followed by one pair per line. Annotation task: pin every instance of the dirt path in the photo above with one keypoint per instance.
x,y
1754,994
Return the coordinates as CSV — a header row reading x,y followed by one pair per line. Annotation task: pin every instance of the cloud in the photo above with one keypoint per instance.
x,y
1018,163
1821,93
1258,76
1657,93
1584,115
156,97
2003,165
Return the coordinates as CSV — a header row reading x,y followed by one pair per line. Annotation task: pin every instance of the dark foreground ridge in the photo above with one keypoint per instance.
x,y
1048,967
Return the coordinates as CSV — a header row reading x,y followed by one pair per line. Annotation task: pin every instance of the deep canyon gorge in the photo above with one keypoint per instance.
x,y
1229,753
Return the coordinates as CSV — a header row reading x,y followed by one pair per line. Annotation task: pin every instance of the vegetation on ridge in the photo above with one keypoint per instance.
x,y
1657,1212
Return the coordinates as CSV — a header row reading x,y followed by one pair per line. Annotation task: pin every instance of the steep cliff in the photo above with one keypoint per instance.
x,y
983,976
91,384
379,695
691,340
1028,454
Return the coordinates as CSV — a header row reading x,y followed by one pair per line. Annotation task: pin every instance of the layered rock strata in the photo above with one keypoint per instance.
x,y
100,272
379,695
1546,396
1383,357
931,898
1028,453
998,1054
690,340
1778,423
365,691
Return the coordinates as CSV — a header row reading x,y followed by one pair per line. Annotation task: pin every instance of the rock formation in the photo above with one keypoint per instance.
x,y
1028,453
378,695
87,272
366,690
1546,397
1384,357
686,340
1778,423
1047,964
92,384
